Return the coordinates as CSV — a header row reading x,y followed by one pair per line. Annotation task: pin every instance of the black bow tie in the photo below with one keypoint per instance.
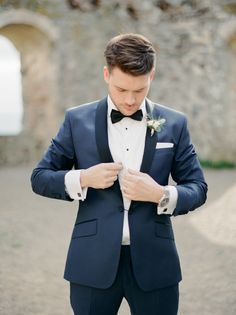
x,y
117,116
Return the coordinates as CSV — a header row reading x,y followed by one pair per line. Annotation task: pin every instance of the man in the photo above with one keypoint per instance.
x,y
123,149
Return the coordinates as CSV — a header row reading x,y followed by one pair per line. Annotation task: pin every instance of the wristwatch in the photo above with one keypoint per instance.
x,y
165,198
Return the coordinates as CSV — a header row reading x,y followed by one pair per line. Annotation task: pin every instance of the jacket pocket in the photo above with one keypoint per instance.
x,y
164,230
86,228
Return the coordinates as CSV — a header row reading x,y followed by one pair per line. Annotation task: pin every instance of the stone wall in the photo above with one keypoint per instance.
x,y
196,66
39,85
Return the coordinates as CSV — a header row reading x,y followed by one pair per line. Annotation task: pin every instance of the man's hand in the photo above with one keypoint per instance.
x,y
100,176
140,186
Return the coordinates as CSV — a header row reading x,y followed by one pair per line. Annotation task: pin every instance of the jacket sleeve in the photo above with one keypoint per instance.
x,y
187,173
47,178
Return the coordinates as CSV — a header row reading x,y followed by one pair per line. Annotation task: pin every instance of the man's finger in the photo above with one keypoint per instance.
x,y
114,178
130,177
125,182
114,166
133,172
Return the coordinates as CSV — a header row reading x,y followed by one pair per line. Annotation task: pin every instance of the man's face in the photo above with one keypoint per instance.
x,y
127,91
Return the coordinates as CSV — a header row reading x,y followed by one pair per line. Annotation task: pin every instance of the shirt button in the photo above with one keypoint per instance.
x,y
127,149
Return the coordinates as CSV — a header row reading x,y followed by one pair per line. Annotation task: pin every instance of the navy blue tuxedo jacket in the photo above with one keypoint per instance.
x,y
94,251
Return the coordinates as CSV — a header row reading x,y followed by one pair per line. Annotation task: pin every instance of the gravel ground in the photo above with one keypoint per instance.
x,y
35,233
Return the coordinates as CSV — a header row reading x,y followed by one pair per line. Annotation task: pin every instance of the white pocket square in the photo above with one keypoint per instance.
x,y
163,145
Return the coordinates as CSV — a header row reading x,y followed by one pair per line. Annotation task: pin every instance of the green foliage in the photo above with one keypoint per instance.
x,y
38,6
29,4
230,8
218,164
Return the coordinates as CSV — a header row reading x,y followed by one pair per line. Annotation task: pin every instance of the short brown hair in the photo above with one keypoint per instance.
x,y
131,53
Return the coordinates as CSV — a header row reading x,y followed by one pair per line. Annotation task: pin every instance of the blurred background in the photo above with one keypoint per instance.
x,y
51,58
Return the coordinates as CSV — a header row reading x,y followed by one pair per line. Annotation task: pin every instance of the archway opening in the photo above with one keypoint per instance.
x,y
34,38
11,102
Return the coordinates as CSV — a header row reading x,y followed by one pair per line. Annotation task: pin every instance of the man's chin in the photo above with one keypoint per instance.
x,y
129,111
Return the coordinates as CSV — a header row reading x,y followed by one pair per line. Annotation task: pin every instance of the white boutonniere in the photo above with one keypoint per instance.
x,y
155,124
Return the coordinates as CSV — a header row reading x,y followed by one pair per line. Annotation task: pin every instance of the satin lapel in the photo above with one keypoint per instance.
x,y
150,145
101,134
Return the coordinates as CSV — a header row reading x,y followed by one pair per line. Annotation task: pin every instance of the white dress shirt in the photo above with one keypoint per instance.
x,y
126,140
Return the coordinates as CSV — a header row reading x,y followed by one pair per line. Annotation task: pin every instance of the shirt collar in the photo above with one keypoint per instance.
x,y
111,106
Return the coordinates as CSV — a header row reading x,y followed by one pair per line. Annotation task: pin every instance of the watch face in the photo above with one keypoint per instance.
x,y
165,198
164,202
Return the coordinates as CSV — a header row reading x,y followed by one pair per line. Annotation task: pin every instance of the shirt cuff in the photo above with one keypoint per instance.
x,y
170,207
73,187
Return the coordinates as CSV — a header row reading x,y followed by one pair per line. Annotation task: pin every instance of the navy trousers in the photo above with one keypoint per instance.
x,y
93,301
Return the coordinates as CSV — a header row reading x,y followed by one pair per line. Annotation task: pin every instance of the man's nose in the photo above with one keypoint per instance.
x,y
130,99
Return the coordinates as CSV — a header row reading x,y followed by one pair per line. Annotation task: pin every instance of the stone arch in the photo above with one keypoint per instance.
x,y
228,34
34,36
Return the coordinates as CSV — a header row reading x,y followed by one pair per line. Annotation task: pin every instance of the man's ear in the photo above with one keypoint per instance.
x,y
106,74
152,74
